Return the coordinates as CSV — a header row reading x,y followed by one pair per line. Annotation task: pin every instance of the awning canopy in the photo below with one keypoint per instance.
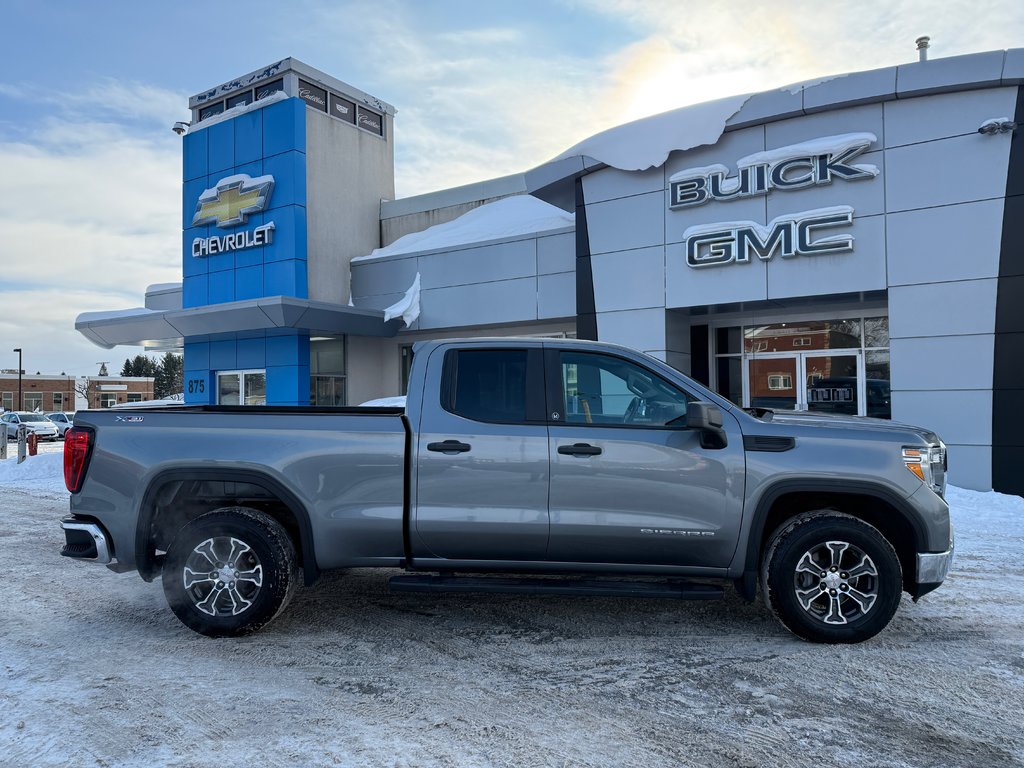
x,y
136,326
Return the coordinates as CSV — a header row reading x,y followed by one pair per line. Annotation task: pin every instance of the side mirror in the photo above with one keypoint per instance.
x,y
706,418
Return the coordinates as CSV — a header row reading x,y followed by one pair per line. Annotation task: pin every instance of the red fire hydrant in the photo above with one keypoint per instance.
x,y
33,443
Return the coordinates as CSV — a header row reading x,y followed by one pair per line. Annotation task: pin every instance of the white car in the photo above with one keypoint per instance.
x,y
34,422
63,420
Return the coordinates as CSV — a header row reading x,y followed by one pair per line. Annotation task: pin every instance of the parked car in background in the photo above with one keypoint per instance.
x,y
63,420
838,394
34,422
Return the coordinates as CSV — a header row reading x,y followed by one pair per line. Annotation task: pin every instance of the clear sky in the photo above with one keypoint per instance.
x,y
90,203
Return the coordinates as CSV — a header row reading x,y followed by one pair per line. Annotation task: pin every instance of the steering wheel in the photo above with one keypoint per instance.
x,y
631,410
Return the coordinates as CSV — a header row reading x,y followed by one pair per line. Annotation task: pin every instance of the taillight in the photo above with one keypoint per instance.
x,y
77,443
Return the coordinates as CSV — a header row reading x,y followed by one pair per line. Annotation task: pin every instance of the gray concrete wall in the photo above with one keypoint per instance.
x,y
348,172
516,280
414,214
399,226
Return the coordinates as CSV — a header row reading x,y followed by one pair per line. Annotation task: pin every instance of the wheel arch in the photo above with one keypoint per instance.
x,y
288,511
875,504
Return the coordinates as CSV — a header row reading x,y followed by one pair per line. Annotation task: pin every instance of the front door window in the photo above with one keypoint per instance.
x,y
604,390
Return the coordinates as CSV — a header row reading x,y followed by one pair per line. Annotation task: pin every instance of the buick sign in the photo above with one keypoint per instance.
x,y
810,163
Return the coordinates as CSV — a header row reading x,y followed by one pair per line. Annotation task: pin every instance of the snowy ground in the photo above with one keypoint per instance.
x,y
97,672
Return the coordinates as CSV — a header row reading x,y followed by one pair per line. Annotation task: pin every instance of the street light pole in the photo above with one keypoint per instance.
x,y
20,405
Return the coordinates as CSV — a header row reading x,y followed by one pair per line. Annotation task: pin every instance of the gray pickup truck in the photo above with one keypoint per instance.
x,y
518,465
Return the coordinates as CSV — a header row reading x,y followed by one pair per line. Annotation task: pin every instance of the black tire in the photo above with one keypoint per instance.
x,y
849,599
251,572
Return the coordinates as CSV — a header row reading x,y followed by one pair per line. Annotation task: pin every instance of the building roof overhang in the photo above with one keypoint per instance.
x,y
134,327
554,181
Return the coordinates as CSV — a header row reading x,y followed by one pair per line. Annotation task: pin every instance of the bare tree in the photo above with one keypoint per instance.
x,y
84,387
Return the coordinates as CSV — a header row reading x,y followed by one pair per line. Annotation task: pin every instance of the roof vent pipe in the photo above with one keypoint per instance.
x,y
922,47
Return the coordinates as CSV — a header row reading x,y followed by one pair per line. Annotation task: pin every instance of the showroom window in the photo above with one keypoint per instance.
x,y
242,387
327,380
833,366
58,401
108,400
134,397
8,401
33,400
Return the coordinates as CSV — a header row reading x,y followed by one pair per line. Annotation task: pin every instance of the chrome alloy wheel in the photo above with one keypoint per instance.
x,y
222,576
836,582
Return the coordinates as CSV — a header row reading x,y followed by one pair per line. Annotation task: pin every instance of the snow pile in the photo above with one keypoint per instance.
x,y
647,143
408,307
44,473
509,217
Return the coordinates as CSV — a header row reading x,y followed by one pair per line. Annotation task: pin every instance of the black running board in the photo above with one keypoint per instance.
x,y
539,586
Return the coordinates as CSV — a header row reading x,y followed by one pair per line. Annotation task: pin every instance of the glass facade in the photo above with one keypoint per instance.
x,y
831,365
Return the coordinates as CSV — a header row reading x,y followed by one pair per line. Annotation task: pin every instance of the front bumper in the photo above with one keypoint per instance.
x,y
933,567
86,541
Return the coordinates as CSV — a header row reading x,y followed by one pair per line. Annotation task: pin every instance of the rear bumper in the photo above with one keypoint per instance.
x,y
86,540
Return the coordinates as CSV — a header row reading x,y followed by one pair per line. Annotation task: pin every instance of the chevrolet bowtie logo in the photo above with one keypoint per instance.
x,y
232,200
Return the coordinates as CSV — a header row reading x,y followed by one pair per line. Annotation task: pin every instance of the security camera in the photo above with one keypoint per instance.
x,y
181,128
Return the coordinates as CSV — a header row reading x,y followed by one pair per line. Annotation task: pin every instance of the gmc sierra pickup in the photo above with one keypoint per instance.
x,y
515,460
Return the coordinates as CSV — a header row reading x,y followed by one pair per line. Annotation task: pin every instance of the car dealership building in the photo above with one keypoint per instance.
x,y
853,245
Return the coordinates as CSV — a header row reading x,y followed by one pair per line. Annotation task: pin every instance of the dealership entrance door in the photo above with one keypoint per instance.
x,y
838,365
831,382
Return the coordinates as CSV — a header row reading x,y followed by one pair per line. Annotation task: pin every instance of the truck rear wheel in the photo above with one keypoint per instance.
x,y
831,578
230,571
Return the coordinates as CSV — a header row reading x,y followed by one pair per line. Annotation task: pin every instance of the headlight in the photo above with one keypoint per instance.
x,y
929,464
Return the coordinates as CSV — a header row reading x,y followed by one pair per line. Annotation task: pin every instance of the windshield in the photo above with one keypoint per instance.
x,y
26,417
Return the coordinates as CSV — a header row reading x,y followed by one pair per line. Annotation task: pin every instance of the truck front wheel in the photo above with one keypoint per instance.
x,y
230,571
831,578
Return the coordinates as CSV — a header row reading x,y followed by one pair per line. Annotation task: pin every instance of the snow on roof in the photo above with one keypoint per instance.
x,y
803,85
157,287
240,109
646,143
833,145
407,307
509,217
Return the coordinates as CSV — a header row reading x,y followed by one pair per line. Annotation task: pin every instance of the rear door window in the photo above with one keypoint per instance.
x,y
487,384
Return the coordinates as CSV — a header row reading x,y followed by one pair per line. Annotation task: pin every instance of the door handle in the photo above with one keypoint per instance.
x,y
449,446
579,449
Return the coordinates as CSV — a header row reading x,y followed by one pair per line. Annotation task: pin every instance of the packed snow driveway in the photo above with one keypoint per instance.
x,y
96,670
